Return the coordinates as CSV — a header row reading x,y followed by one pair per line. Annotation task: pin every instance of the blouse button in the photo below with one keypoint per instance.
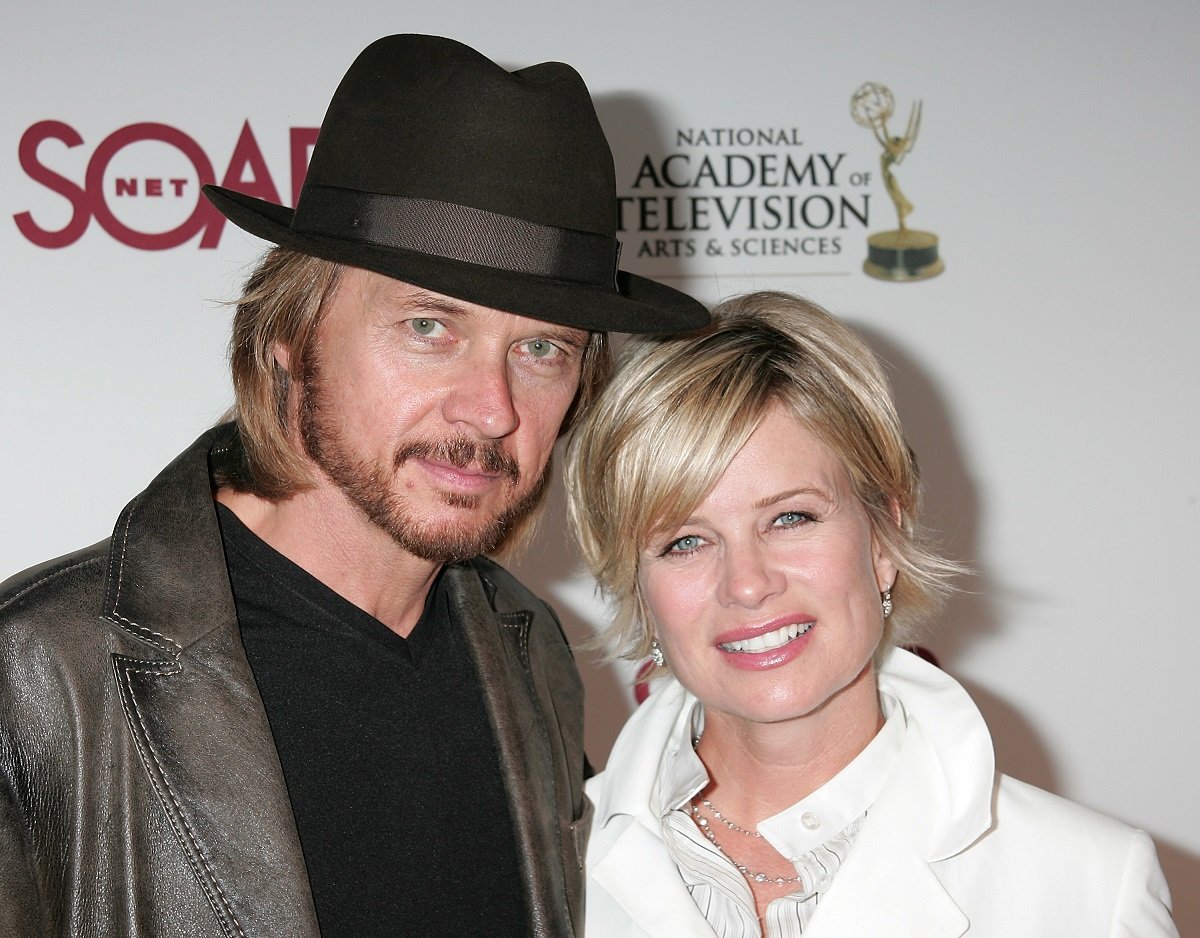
x,y
810,820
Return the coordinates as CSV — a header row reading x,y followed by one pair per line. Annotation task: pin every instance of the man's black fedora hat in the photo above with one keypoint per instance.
x,y
436,166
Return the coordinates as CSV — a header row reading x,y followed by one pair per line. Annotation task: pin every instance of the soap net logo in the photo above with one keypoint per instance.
x,y
141,183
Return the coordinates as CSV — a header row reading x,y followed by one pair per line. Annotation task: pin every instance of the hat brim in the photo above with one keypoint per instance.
x,y
635,304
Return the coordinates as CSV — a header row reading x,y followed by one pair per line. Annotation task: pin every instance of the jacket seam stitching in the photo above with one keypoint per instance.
x,y
138,630
519,622
179,822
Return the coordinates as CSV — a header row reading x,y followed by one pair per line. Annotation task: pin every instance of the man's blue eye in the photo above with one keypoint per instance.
x,y
424,326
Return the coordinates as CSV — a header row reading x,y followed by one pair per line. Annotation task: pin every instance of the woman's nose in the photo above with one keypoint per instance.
x,y
748,576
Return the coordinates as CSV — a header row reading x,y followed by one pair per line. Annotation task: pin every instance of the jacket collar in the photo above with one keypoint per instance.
x,y
950,739
166,548
950,764
937,802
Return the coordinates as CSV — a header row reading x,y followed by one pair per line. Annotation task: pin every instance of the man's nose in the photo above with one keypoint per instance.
x,y
482,400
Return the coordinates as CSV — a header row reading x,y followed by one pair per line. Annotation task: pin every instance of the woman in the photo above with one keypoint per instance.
x,y
745,497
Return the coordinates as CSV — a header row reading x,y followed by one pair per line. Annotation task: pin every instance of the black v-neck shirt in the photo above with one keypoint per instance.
x,y
387,752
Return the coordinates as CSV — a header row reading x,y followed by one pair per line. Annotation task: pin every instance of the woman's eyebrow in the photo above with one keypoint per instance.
x,y
769,500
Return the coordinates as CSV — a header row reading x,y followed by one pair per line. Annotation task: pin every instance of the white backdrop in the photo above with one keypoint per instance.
x,y
1048,378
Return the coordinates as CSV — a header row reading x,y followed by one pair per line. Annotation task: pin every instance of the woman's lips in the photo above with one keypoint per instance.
x,y
767,641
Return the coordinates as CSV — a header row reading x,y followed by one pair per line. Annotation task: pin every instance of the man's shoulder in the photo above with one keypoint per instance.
x,y
508,596
55,586
505,592
51,625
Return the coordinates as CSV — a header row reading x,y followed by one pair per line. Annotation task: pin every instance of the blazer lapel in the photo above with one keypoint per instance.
x,y
202,735
879,892
193,707
640,876
526,761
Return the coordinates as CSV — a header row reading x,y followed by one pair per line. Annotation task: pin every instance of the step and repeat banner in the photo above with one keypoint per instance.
x,y
1037,315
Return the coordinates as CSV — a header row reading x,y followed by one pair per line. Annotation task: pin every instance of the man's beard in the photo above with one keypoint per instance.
x,y
368,485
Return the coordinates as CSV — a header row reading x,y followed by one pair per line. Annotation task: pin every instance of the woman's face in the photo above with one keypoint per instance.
x,y
766,600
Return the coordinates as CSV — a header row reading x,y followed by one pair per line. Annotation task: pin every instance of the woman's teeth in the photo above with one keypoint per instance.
x,y
768,640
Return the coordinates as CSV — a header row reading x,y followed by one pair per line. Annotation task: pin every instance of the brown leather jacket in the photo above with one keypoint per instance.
x,y
140,790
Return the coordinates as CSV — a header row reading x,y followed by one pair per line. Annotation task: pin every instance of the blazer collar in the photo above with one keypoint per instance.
x,y
948,764
937,802
651,736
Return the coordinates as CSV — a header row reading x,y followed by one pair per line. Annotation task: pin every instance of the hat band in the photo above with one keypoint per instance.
x,y
458,232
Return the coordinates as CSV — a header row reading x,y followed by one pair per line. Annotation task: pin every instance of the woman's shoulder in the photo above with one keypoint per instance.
x,y
1102,870
1041,814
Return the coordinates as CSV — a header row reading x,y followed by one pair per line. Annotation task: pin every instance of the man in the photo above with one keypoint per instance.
x,y
288,696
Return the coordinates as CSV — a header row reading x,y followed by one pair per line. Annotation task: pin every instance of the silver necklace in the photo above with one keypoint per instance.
x,y
707,831
712,809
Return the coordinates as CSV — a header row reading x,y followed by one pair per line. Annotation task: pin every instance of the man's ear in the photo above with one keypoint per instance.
x,y
283,356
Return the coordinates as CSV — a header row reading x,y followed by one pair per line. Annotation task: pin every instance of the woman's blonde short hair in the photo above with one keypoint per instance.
x,y
283,301
681,407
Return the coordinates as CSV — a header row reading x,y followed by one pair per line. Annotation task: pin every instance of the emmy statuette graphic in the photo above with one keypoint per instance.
x,y
902,254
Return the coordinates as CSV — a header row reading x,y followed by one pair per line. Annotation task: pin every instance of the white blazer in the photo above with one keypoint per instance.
x,y
950,848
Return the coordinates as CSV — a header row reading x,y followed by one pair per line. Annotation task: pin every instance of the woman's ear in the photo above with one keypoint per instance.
x,y
886,569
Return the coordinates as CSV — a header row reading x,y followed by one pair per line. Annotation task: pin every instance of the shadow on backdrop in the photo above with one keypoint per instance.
x,y
552,566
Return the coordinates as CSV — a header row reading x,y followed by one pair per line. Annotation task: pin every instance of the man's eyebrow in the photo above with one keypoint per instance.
x,y
419,300
568,334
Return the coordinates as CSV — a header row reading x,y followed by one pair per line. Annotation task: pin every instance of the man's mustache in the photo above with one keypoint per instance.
x,y
463,453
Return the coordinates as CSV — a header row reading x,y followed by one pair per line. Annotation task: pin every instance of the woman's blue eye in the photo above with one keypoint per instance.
x,y
789,519
684,545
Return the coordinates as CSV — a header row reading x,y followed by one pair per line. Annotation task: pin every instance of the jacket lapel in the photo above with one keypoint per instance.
x,y
882,891
193,708
638,874
526,762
